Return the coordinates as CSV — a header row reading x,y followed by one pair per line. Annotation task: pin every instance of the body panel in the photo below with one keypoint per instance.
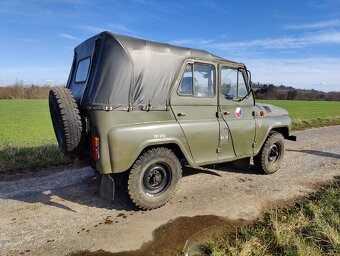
x,y
242,128
123,136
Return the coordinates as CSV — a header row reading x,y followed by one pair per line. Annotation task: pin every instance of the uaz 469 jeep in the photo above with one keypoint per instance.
x,y
139,106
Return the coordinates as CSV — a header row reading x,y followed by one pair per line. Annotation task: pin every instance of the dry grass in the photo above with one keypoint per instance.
x,y
309,228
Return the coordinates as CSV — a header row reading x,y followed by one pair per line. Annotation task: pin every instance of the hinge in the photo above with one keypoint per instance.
x,y
217,114
219,150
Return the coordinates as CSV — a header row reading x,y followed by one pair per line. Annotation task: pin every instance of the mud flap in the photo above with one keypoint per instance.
x,y
107,187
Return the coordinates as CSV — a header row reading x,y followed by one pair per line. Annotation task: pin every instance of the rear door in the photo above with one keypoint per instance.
x,y
236,106
194,104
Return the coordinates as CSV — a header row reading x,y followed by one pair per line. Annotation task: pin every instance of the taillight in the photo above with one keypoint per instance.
x,y
95,147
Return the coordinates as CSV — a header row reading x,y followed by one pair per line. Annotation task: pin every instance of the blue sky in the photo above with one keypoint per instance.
x,y
287,42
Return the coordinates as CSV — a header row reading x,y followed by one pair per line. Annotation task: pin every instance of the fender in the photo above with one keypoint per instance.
x,y
126,143
264,125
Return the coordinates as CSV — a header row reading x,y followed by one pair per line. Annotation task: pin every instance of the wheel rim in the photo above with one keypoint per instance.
x,y
156,179
274,153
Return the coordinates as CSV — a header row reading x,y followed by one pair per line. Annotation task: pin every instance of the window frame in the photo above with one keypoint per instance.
x,y
214,85
238,70
88,71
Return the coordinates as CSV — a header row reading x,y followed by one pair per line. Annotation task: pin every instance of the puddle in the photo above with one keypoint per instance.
x,y
176,236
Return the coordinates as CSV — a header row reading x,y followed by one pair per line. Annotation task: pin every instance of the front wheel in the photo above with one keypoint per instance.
x,y
153,178
270,157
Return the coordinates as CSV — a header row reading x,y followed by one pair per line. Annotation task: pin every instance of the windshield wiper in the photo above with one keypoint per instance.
x,y
245,96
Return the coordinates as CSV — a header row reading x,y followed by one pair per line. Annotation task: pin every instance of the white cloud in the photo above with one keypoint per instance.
x,y
317,73
92,29
288,42
193,41
310,39
29,40
67,36
121,28
315,25
35,75
113,27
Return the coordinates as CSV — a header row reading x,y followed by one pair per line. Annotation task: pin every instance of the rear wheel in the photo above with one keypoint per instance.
x,y
153,178
66,119
271,155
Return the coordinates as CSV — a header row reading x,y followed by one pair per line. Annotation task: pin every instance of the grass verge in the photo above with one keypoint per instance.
x,y
309,228
36,157
306,123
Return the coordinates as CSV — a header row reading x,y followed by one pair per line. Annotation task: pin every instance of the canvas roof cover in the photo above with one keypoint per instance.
x,y
130,73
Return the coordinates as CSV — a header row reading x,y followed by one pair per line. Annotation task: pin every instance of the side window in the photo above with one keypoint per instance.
x,y
198,81
82,70
233,85
186,88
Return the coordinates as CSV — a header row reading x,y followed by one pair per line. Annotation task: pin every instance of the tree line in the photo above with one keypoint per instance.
x,y
20,91
272,92
261,91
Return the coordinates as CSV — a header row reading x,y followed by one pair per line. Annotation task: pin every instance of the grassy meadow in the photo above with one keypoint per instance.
x,y
25,123
27,140
308,114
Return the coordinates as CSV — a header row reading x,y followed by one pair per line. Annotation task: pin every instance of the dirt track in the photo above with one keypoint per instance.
x,y
58,212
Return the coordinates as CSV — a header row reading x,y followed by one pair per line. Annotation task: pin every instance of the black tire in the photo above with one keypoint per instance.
x,y
153,178
270,157
66,120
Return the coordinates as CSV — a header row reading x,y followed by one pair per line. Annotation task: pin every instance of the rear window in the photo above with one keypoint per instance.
x,y
82,70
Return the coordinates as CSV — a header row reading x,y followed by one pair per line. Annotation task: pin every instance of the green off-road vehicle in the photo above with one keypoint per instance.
x,y
145,108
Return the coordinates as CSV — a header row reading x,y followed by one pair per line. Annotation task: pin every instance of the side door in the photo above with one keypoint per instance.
x,y
236,108
194,103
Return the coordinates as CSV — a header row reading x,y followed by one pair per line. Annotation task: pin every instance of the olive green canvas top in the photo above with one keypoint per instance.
x,y
129,73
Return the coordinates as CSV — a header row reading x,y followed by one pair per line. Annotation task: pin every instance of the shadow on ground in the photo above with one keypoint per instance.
x,y
58,188
317,153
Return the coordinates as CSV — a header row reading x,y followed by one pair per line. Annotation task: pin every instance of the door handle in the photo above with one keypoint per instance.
x,y
226,113
182,114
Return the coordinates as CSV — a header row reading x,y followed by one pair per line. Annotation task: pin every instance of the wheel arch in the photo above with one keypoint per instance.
x,y
284,130
175,148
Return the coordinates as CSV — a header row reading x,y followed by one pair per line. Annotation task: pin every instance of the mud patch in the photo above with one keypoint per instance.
x,y
108,222
176,236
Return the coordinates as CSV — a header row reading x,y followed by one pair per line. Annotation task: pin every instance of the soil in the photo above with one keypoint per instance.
x,y
61,212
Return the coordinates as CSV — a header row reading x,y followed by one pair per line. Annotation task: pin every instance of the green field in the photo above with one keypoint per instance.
x,y
27,139
307,109
25,123
308,114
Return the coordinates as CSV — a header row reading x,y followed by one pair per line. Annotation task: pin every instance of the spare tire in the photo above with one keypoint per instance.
x,y
66,119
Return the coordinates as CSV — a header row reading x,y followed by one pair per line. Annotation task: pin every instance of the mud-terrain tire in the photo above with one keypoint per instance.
x,y
66,120
270,157
153,178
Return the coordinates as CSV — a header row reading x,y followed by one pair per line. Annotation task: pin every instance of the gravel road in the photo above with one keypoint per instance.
x,y
59,212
